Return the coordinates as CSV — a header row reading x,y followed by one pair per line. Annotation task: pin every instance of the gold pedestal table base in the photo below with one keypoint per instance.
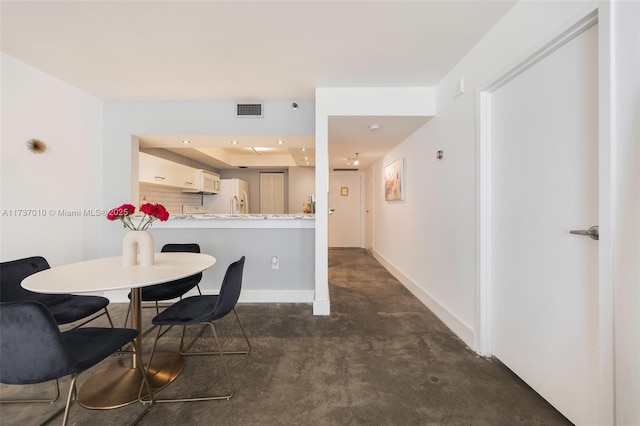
x,y
118,384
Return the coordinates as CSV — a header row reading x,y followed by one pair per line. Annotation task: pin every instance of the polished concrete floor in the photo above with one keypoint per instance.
x,y
381,358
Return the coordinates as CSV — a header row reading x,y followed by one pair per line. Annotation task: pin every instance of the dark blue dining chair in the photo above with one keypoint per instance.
x,y
65,308
34,350
206,310
173,289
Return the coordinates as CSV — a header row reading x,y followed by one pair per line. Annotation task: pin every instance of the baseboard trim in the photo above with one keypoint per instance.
x,y
457,326
277,296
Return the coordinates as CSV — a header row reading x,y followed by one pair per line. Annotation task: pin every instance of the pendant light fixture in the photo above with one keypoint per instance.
x,y
353,161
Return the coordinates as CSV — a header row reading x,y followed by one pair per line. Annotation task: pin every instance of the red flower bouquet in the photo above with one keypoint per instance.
x,y
151,213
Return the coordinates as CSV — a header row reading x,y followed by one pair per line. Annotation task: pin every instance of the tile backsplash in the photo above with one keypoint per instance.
x,y
171,198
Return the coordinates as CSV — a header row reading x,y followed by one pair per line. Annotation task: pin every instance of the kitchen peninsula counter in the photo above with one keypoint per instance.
x,y
286,239
231,221
279,250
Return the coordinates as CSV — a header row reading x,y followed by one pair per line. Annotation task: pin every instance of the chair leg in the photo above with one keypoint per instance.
x,y
70,396
244,333
226,369
106,312
238,352
145,383
182,332
126,318
108,317
224,365
50,401
153,350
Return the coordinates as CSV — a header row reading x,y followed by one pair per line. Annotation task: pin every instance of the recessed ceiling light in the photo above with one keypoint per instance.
x,y
234,142
303,149
280,142
374,126
186,141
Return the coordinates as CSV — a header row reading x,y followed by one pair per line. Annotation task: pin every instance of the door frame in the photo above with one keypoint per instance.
x,y
484,255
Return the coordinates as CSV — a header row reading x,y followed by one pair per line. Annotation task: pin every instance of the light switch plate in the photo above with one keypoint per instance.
x,y
459,89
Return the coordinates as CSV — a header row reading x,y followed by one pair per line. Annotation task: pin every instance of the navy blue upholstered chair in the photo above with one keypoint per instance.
x,y
34,350
206,309
173,289
66,308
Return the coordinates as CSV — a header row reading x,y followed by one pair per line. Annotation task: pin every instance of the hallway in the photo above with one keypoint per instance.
x,y
381,358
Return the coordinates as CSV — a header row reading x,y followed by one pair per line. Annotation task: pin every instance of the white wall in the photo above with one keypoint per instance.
x,y
302,183
67,177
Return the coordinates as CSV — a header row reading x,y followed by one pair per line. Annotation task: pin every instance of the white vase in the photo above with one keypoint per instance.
x,y
134,242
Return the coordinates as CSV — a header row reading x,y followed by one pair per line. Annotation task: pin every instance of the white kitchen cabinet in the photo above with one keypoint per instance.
x,y
159,171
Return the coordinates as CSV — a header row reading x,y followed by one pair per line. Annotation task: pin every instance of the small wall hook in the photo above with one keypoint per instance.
x,y
440,155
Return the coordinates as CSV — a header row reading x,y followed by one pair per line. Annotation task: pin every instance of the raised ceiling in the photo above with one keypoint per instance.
x,y
235,50
251,151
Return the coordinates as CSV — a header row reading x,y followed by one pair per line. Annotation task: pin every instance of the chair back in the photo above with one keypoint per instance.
x,y
230,289
185,248
31,348
183,285
13,272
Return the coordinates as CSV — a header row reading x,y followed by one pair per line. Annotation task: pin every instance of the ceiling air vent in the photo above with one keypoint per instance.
x,y
249,109
345,170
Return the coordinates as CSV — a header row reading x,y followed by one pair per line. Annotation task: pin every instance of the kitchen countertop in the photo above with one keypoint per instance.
x,y
300,216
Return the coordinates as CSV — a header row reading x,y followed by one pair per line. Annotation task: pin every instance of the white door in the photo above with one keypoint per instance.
x,y
544,184
345,208
271,193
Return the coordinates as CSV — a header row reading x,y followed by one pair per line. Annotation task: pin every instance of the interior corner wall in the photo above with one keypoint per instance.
x,y
428,241
51,202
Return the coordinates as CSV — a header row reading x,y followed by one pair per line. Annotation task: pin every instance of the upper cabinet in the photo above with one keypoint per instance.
x,y
159,171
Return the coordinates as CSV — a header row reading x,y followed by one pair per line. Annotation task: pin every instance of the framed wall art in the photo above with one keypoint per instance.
x,y
394,181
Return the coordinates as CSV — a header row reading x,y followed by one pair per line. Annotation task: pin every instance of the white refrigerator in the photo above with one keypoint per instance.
x,y
233,198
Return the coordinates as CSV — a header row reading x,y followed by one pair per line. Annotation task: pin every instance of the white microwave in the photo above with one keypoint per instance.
x,y
208,183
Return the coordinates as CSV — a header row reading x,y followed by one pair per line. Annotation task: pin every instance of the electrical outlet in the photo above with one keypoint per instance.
x,y
275,262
